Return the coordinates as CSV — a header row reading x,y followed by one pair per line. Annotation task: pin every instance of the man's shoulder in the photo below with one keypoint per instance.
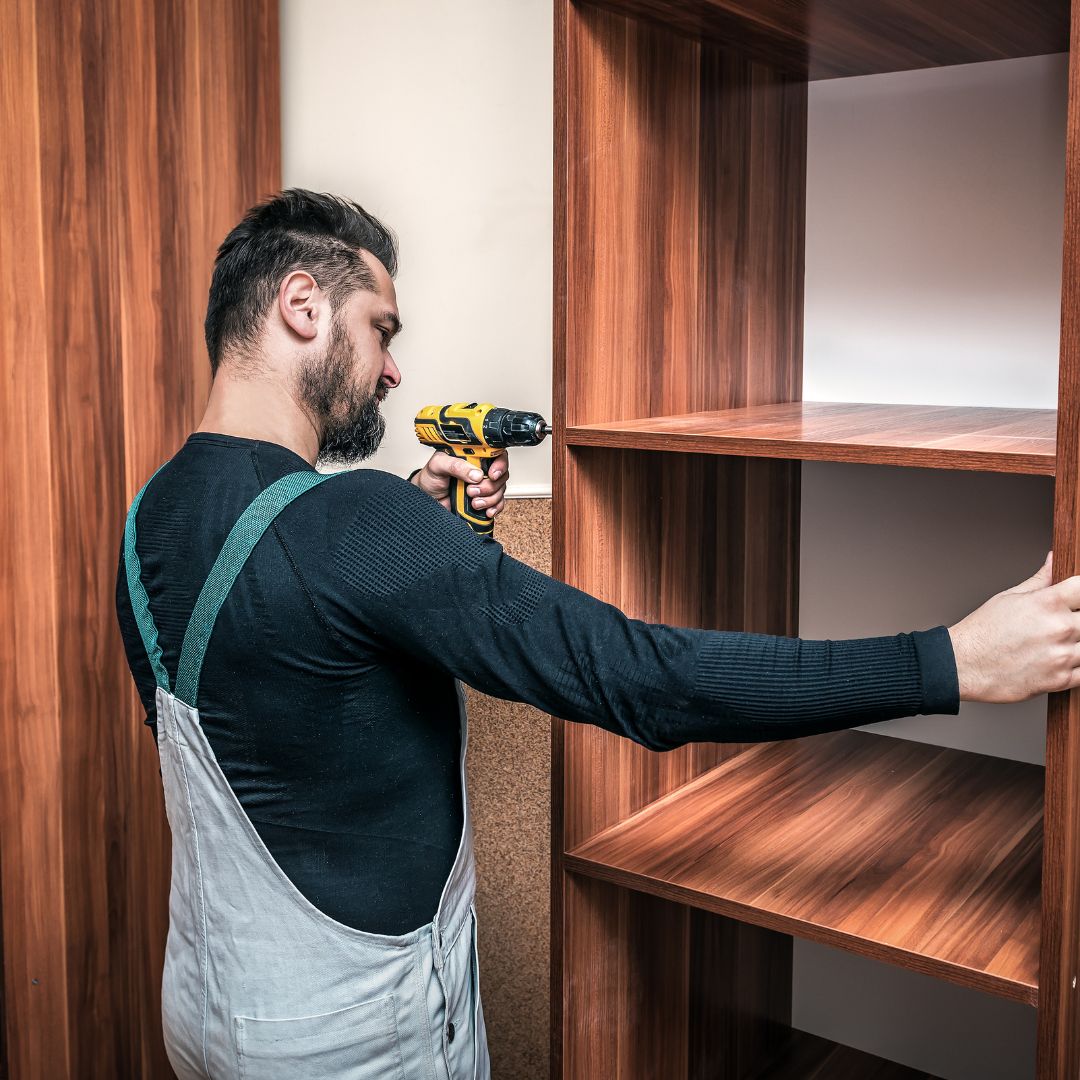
x,y
384,501
378,532
353,489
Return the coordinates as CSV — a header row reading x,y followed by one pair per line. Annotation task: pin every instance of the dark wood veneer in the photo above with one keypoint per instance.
x,y
658,120
679,879
926,436
135,136
824,39
1059,1014
921,856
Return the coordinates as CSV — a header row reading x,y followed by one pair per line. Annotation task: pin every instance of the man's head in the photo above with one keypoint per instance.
x,y
303,290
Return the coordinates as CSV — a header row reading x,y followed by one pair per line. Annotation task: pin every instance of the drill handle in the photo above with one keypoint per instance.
x,y
461,504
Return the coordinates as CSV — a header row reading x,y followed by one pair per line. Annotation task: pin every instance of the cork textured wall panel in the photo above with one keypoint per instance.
x,y
509,777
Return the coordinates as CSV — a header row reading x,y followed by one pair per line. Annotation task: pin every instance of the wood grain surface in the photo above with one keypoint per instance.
x,y
135,136
678,253
925,436
739,997
31,844
1059,1013
829,38
629,147
684,566
612,1030
679,236
920,856
685,173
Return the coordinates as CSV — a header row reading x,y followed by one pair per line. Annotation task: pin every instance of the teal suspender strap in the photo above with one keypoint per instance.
x,y
140,602
239,544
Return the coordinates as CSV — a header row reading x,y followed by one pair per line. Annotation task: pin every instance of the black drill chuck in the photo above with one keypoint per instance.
x,y
511,427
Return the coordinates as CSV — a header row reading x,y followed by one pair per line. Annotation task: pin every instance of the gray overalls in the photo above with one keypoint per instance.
x,y
258,982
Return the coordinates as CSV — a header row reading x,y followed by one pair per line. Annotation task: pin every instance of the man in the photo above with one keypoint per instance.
x,y
296,640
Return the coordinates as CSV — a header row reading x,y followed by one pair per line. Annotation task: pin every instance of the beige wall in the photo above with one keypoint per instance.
x,y
437,117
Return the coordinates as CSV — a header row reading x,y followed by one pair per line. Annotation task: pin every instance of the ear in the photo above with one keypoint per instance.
x,y
301,304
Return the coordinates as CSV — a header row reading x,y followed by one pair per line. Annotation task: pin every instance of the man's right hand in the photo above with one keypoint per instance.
x,y
1022,642
487,494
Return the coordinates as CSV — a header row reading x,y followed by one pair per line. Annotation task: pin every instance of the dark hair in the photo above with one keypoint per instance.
x,y
293,230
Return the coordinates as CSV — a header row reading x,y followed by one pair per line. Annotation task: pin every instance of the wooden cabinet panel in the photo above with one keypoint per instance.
x,y
136,135
679,539
825,39
1059,1012
679,233
680,130
683,248
31,845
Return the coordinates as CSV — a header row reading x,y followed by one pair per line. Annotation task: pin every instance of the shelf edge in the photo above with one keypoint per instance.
x,y
971,978
851,453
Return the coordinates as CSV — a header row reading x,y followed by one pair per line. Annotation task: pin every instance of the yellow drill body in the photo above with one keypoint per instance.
x,y
476,433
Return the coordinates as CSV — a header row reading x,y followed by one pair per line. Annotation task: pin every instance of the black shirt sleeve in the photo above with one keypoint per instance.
x,y
416,579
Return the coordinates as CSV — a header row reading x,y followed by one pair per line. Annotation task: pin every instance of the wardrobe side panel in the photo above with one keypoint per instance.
x,y
1059,998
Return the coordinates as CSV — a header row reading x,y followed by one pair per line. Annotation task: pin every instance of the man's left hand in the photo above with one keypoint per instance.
x,y
487,494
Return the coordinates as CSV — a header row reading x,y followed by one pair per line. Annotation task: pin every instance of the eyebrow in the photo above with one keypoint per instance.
x,y
393,320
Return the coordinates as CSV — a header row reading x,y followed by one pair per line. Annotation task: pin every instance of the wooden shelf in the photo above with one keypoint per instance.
x,y
924,436
809,1057
916,855
834,38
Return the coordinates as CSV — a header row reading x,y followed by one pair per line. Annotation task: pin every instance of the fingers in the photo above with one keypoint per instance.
x,y
1069,591
1068,678
444,465
495,481
500,467
489,494
1041,579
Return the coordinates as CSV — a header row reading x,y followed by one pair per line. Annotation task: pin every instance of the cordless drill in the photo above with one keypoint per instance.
x,y
476,433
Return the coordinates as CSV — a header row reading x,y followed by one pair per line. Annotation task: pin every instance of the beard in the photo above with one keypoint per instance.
x,y
352,426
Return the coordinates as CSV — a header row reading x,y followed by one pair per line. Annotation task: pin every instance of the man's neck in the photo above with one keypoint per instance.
x,y
260,407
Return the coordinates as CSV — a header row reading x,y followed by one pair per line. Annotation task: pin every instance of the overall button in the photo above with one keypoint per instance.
x,y
450,1033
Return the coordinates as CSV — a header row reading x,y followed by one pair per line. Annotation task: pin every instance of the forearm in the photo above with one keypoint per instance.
x,y
751,688
664,686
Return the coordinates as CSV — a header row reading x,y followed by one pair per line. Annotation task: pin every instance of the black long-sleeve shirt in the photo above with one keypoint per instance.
x,y
327,693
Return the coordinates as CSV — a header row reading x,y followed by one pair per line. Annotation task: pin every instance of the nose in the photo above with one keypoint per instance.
x,y
391,376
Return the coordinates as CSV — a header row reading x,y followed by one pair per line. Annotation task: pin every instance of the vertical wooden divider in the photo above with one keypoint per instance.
x,y
136,135
1059,967
679,181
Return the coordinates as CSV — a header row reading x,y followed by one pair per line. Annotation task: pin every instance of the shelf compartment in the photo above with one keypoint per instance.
x,y
924,436
834,38
916,855
810,1057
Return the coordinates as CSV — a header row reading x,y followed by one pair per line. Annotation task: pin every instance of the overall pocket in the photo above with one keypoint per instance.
x,y
357,1043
